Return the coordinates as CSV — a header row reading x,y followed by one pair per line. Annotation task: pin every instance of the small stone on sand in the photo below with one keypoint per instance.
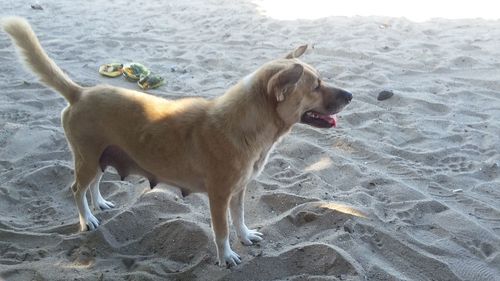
x,y
36,7
384,95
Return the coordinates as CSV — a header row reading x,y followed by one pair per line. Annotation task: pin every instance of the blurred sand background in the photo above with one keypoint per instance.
x,y
404,189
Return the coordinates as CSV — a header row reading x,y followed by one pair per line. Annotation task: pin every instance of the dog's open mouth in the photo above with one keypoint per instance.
x,y
319,120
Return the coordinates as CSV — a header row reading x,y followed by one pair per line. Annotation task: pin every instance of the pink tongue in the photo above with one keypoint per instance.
x,y
332,119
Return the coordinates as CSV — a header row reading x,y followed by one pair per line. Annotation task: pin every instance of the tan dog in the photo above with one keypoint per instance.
x,y
214,146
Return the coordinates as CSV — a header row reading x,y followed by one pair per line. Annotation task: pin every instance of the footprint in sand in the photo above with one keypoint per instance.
x,y
455,164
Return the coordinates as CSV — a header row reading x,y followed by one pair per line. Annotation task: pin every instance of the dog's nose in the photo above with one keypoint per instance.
x,y
346,95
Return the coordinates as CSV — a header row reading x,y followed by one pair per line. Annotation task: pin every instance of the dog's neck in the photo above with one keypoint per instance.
x,y
257,124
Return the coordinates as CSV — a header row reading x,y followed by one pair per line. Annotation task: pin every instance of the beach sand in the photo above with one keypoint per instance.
x,y
404,189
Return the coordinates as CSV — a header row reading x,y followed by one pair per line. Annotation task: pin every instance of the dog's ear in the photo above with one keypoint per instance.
x,y
297,52
285,81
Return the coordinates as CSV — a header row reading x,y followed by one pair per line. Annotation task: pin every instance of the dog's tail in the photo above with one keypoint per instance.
x,y
36,58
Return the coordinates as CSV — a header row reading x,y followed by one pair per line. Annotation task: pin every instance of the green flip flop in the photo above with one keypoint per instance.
x,y
111,69
134,71
151,81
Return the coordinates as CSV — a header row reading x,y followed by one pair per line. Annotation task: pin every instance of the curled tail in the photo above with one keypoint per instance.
x,y
36,58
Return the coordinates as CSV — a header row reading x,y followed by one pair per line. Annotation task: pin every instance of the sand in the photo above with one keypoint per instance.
x,y
404,189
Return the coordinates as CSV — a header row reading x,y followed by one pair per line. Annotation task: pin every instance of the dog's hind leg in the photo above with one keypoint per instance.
x,y
85,172
98,201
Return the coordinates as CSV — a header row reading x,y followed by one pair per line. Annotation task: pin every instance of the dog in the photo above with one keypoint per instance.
x,y
215,146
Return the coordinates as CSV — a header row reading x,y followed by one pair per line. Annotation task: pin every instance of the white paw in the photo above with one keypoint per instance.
x,y
248,236
229,259
104,205
90,223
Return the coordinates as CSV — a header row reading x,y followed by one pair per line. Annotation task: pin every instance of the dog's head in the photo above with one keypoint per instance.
x,y
301,95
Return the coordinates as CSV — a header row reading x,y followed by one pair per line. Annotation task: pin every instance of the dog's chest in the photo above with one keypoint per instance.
x,y
259,164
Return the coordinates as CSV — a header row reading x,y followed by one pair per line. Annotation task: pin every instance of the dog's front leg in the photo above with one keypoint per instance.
x,y
218,209
247,236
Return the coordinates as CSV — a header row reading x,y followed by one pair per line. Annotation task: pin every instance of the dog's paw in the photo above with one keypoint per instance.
x,y
104,205
229,259
249,236
91,223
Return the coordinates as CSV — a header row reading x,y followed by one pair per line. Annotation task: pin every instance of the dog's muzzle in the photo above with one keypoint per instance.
x,y
337,99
